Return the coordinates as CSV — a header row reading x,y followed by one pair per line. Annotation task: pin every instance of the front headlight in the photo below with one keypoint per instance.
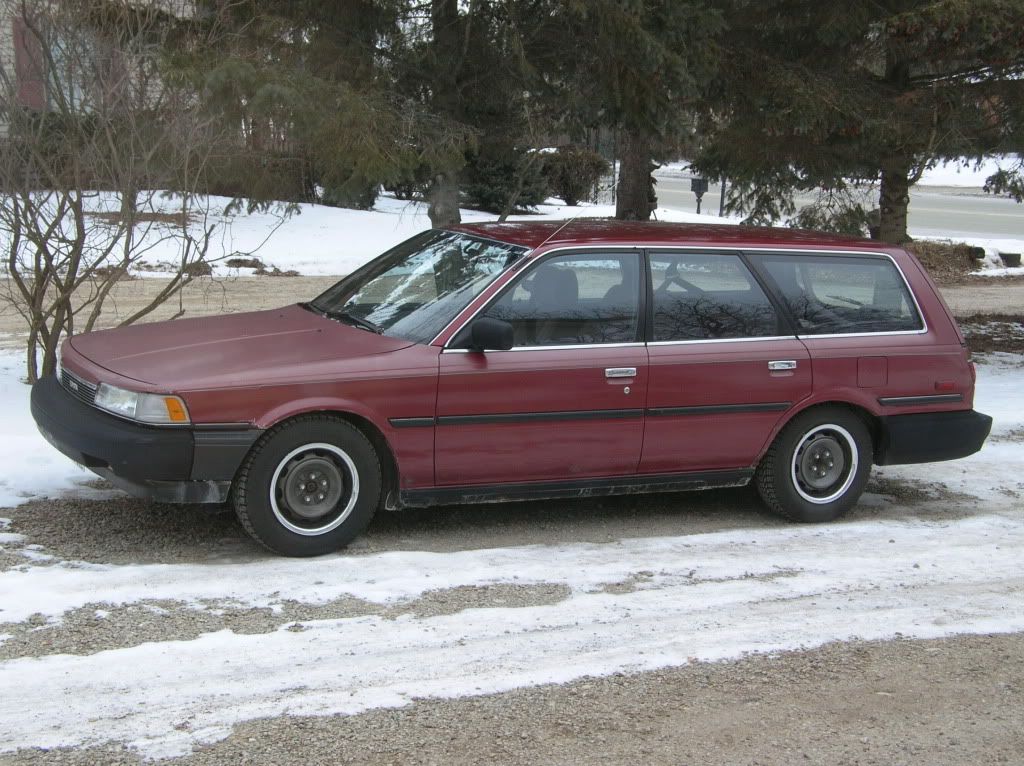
x,y
160,409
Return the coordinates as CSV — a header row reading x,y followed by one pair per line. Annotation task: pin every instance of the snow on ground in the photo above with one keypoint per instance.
x,y
970,174
331,241
29,466
711,597
320,240
956,173
693,598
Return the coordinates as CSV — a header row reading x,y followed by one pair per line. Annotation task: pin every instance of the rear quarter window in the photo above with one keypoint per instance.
x,y
838,294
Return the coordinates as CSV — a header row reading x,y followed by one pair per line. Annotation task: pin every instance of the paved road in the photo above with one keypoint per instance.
x,y
934,211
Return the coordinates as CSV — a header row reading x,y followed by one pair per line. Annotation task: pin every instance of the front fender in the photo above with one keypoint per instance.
x,y
293,408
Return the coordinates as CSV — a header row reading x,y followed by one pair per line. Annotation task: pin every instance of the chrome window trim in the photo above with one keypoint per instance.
x,y
447,350
835,335
854,253
525,261
720,340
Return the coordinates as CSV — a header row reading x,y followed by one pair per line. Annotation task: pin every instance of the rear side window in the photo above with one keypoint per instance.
x,y
708,297
843,294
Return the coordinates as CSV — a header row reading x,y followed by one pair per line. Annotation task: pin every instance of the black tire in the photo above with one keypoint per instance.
x,y
308,486
817,466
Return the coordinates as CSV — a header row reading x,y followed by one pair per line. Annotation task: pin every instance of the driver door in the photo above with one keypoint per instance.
x,y
567,401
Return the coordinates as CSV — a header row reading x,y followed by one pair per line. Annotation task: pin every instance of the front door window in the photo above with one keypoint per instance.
x,y
574,300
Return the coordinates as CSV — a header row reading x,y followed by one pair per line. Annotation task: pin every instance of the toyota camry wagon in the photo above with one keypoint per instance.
x,y
506,361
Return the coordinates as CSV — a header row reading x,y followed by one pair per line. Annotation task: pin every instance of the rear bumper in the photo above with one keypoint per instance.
x,y
172,464
931,437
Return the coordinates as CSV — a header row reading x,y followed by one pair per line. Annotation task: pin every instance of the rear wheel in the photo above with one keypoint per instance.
x,y
308,486
817,467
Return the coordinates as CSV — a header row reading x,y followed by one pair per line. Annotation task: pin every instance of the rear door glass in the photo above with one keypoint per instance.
x,y
837,294
708,297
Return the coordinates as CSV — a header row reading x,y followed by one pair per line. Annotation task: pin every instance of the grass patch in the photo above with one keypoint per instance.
x,y
180,220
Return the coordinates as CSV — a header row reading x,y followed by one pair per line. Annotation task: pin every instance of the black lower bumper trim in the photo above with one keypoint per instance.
x,y
96,439
170,491
182,465
931,437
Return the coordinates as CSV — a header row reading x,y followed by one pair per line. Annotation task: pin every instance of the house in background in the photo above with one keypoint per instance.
x,y
22,79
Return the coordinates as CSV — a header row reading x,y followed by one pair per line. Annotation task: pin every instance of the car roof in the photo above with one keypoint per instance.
x,y
590,231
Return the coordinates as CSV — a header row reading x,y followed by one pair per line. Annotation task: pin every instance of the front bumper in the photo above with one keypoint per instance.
x,y
931,437
172,464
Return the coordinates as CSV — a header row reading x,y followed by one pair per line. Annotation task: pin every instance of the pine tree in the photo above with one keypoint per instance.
x,y
811,95
640,66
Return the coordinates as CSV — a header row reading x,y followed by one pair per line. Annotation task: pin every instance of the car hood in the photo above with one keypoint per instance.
x,y
253,348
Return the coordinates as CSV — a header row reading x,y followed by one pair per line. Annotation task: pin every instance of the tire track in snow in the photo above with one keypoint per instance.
x,y
708,597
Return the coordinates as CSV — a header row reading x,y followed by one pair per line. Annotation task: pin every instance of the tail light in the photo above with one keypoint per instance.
x,y
970,362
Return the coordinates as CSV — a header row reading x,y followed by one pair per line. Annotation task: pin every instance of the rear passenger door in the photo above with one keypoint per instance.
x,y
725,367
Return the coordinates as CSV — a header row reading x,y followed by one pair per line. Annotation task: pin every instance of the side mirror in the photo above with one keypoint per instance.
x,y
487,334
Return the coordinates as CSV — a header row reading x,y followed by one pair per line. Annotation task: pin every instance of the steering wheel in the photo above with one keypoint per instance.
x,y
672,278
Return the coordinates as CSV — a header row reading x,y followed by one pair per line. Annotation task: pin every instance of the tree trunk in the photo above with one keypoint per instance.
x,y
893,200
635,197
447,49
444,201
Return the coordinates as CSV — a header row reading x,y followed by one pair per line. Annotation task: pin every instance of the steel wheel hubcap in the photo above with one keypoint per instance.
x,y
314,489
312,486
824,464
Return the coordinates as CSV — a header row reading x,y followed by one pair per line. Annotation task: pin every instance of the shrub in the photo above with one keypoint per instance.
x,y
572,173
504,178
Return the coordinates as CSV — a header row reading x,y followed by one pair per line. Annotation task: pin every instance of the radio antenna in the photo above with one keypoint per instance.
x,y
557,231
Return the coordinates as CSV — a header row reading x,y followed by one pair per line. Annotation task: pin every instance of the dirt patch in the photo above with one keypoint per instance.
x,y
948,263
1014,436
203,296
993,332
244,263
101,626
178,220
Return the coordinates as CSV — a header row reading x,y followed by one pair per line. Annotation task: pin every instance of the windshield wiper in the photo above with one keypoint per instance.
x,y
356,321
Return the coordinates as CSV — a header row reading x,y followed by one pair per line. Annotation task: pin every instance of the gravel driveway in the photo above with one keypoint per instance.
x,y
954,700
951,701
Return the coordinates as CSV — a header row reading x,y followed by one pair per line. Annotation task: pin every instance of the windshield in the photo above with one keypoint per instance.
x,y
415,289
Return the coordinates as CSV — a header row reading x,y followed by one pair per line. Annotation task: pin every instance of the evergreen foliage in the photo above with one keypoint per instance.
x,y
573,172
504,179
813,94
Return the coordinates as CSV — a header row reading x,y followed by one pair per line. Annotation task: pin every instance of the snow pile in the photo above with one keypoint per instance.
x,y
29,466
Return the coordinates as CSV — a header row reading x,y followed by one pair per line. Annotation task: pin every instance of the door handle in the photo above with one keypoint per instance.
x,y
620,372
787,364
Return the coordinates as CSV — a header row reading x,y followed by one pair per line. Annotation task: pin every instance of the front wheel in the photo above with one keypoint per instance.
x,y
817,467
308,486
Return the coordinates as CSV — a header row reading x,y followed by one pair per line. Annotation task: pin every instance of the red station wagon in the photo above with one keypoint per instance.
x,y
506,361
